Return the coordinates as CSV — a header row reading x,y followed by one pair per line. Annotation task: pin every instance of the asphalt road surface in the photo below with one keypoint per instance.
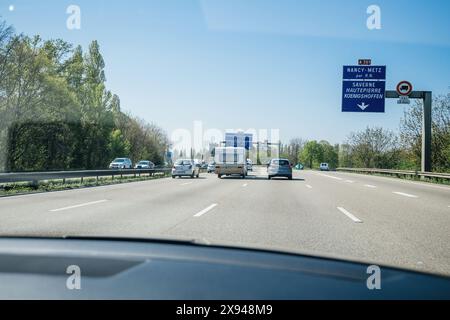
x,y
363,218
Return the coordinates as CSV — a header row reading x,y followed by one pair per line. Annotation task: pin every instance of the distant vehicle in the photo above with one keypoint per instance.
x,y
249,165
299,166
186,168
200,163
121,163
144,164
230,161
324,167
211,167
279,168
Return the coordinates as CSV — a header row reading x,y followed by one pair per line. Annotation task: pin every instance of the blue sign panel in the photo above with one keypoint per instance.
x,y
363,96
364,89
364,72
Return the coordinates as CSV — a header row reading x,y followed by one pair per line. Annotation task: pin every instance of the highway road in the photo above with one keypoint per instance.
x,y
363,218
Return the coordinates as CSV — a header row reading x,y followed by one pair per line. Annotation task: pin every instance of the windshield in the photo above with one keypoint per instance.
x,y
280,162
342,110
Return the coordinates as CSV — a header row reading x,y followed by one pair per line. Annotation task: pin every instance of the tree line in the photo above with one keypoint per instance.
x,y
56,112
376,147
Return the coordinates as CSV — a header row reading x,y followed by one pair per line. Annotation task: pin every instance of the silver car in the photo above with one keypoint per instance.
x,y
211,167
249,165
185,168
144,164
121,163
279,168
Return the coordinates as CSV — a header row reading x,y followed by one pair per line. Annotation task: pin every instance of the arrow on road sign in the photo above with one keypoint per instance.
x,y
363,106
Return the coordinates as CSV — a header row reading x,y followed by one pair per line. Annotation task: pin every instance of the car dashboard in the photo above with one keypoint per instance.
x,y
41,268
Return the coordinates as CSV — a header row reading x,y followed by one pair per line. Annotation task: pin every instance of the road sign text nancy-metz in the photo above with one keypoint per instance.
x,y
364,73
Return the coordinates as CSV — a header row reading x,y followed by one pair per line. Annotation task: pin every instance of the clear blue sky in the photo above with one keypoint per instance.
x,y
248,63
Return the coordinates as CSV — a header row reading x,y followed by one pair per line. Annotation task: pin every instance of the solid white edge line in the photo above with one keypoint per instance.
x,y
348,214
405,194
205,210
78,206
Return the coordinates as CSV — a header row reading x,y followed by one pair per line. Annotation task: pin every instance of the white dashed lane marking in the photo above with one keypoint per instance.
x,y
78,206
405,194
349,215
331,177
197,215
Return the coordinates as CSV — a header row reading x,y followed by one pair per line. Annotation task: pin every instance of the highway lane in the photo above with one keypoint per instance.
x,y
367,218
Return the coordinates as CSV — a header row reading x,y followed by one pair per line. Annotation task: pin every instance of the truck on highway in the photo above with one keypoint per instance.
x,y
230,161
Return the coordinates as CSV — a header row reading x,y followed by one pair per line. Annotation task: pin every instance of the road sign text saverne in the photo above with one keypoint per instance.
x,y
364,89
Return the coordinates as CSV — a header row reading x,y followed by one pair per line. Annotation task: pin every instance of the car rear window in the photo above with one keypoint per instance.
x,y
183,162
280,162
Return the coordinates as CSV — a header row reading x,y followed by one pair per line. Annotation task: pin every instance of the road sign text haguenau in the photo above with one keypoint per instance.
x,y
364,89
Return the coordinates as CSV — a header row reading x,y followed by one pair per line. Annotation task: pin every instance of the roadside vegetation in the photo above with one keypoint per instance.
x,y
379,148
57,114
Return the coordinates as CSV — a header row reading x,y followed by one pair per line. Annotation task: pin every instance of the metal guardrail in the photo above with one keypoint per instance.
x,y
35,177
398,172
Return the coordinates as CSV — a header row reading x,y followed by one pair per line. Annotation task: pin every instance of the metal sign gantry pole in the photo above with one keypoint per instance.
x,y
427,97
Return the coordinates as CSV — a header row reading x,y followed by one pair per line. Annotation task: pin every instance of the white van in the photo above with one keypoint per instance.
x,y
230,161
324,167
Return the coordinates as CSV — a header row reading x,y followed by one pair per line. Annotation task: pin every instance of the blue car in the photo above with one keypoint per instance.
x,y
279,168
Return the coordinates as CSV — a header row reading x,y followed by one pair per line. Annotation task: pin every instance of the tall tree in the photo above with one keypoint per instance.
x,y
58,114
330,154
312,153
374,148
411,132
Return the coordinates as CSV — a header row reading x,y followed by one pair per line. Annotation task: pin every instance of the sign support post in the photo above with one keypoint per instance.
x,y
427,98
426,135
